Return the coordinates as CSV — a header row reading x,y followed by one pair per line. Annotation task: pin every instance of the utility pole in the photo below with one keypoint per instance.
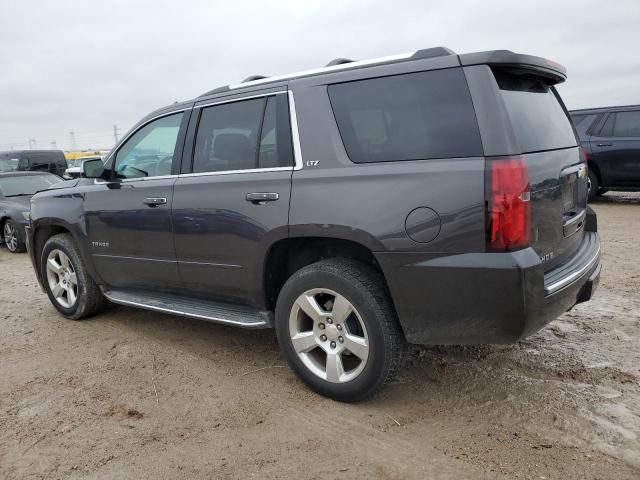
x,y
72,140
115,133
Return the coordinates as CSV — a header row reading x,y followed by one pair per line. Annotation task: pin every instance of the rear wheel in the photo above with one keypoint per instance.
x,y
12,238
69,287
338,329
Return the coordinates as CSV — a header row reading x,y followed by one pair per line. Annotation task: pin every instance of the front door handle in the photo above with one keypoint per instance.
x,y
259,198
605,144
155,201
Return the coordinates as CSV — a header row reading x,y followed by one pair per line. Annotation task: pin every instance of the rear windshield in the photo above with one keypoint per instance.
x,y
416,116
538,119
26,184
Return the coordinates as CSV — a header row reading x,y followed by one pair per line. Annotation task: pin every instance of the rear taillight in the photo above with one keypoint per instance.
x,y
508,204
584,156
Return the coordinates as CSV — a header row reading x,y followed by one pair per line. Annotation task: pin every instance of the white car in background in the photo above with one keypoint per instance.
x,y
75,166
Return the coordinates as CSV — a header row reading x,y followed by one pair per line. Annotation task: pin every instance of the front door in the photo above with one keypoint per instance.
x,y
233,205
128,217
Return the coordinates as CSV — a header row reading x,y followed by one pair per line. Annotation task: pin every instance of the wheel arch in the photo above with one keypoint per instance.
x,y
594,167
288,255
43,232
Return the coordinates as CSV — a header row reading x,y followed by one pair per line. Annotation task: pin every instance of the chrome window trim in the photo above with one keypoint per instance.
x,y
238,99
131,180
233,172
295,138
295,133
314,71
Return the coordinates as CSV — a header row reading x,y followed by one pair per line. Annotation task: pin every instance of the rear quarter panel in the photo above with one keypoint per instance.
x,y
369,203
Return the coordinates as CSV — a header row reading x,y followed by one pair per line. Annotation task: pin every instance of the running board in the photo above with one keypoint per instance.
x,y
227,313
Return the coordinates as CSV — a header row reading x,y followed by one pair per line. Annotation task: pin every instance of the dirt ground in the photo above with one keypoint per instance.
x,y
136,394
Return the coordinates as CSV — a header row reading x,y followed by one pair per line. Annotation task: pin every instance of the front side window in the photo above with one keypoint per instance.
x,y
149,152
243,135
414,116
627,124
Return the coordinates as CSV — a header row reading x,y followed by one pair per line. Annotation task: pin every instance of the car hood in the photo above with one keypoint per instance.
x,y
64,184
19,204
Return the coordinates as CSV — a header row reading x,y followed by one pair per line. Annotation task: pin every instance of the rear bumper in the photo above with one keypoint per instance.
x,y
487,297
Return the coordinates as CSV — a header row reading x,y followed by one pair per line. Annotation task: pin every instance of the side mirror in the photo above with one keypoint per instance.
x,y
93,168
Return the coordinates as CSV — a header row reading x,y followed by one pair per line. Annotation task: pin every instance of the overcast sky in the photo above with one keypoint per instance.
x,y
85,65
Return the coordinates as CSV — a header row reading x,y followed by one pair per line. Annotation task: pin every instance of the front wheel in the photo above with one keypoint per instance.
x,y
70,288
338,329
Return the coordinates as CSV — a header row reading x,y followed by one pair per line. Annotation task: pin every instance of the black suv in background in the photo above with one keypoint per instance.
x,y
427,198
611,138
52,161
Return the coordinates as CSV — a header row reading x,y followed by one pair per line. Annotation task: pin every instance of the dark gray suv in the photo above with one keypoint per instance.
x,y
427,198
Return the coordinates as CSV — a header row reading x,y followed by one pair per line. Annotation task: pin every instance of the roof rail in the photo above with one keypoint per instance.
x,y
433,52
339,61
215,90
253,77
336,65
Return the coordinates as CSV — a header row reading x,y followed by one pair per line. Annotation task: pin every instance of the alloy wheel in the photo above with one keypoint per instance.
x,y
11,236
62,279
328,335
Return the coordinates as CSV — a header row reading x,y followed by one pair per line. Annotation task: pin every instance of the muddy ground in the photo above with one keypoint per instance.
x,y
135,394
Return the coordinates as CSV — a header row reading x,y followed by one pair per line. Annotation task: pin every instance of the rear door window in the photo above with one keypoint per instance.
x,y
537,116
244,135
414,116
627,124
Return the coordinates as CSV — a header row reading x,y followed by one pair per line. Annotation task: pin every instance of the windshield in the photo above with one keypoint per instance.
x,y
8,164
26,184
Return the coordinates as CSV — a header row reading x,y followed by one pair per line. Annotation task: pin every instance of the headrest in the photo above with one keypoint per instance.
x,y
233,147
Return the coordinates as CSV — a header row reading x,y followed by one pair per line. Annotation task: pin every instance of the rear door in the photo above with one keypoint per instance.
x,y
616,149
556,168
232,203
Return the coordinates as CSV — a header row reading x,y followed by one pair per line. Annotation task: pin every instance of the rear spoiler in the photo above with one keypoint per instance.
x,y
548,69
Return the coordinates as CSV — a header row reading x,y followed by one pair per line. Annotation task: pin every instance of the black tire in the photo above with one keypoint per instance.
x,y
89,297
594,185
366,290
17,246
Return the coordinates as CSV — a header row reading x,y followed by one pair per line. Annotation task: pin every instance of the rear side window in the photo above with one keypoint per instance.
x,y
627,124
244,135
538,119
415,116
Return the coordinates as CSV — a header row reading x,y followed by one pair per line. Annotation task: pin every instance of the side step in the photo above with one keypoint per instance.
x,y
237,315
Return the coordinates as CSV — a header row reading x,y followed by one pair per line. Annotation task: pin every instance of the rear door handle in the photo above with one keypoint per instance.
x,y
258,198
605,144
155,201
